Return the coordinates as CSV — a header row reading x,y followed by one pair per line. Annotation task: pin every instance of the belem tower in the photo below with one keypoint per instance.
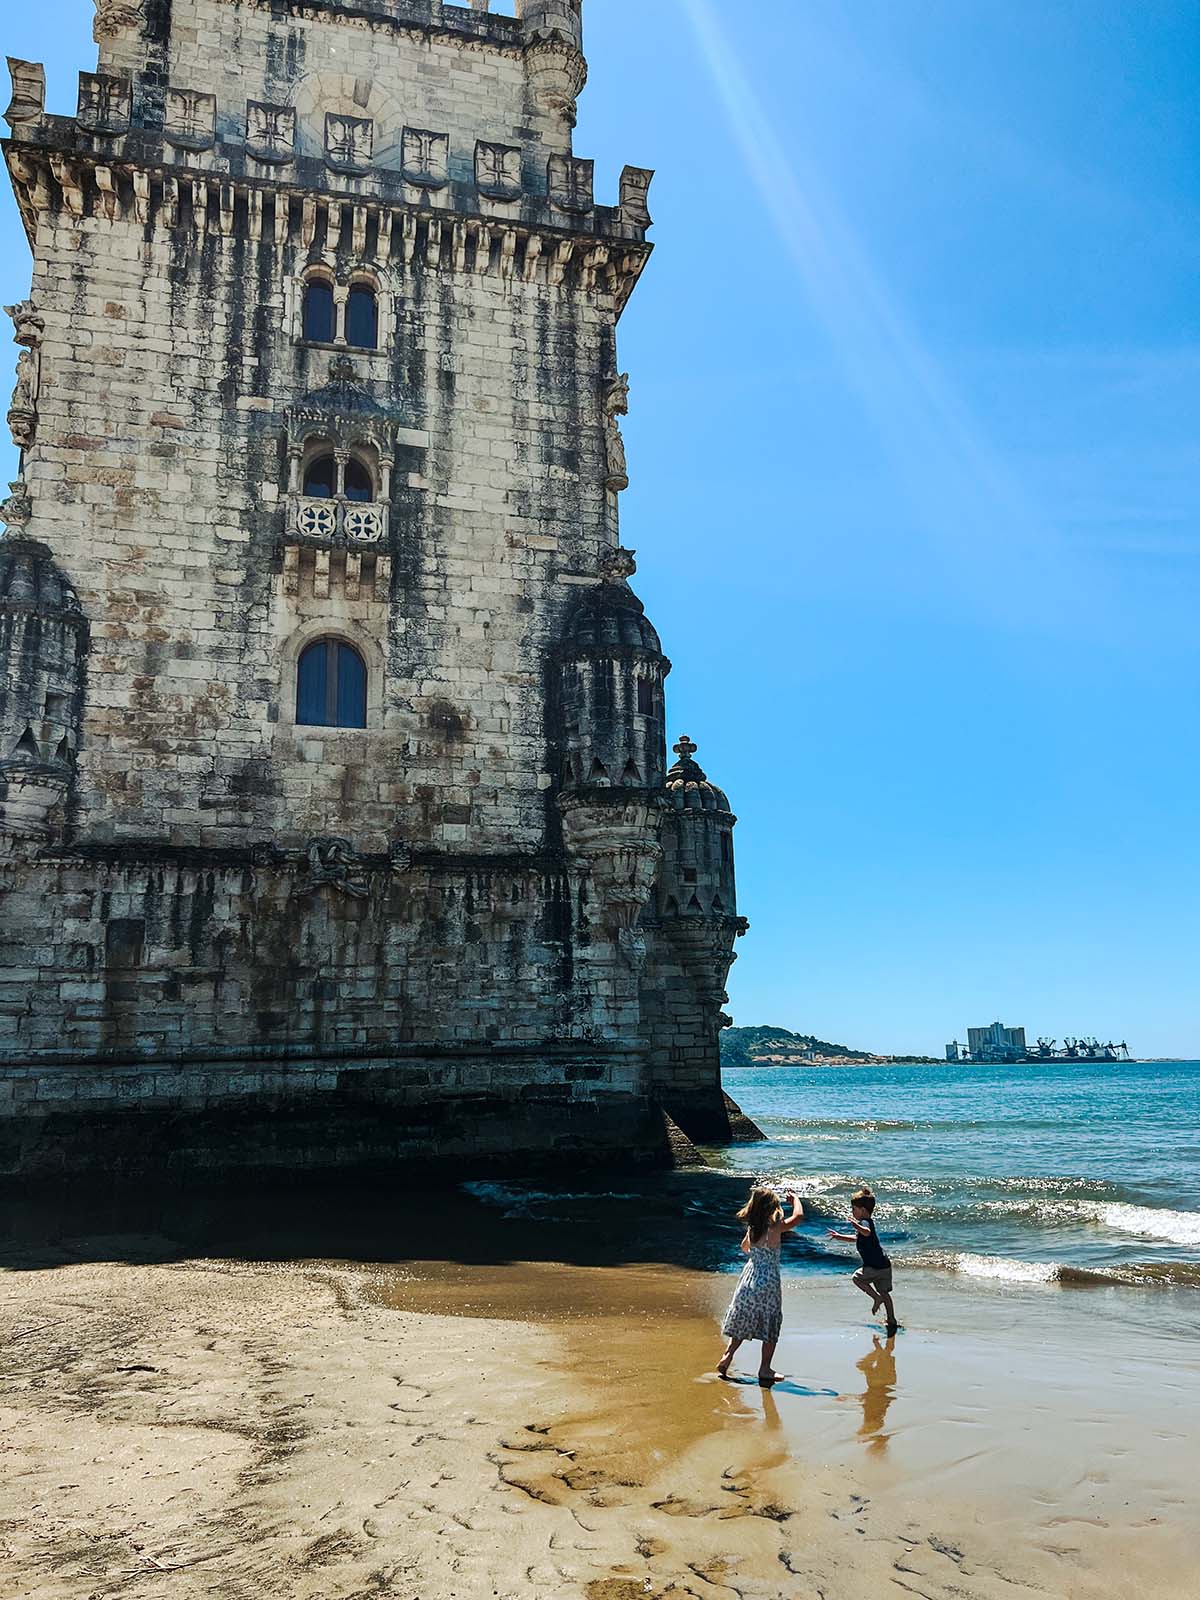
x,y
337,825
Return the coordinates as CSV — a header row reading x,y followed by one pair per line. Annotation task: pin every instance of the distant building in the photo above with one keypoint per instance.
x,y
954,1051
996,1043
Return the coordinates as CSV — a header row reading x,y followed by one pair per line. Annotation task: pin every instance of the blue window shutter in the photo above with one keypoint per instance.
x,y
312,678
351,688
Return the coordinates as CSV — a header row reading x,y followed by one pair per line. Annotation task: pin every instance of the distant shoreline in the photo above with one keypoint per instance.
x,y
766,1063
769,1046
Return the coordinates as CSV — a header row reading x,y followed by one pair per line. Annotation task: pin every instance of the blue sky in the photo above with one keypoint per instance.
x,y
916,482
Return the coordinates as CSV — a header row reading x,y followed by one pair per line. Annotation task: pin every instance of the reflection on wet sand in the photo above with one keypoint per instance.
x,y
878,1367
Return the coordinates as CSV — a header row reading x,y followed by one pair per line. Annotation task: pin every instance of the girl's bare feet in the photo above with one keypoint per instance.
x,y
723,1367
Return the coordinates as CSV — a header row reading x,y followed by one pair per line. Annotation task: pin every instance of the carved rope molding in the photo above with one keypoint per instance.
x,y
85,185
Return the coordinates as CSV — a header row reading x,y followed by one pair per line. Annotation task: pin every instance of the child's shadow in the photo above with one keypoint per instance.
x,y
785,1386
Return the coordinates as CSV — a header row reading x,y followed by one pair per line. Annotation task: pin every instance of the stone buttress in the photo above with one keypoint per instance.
x,y
335,824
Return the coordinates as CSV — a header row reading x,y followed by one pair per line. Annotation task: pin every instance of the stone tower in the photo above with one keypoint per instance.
x,y
335,820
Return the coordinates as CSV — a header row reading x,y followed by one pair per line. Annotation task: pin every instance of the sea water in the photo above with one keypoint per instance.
x,y
1066,1172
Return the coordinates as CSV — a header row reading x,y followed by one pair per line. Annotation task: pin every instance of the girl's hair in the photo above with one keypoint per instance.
x,y
760,1212
864,1200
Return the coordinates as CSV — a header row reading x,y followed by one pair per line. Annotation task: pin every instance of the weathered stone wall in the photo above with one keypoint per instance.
x,y
465,73
169,363
102,953
683,991
199,1011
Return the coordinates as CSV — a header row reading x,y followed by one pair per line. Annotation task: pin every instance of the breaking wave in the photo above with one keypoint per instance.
x,y
852,1124
849,1127
1005,1269
1175,1227
1000,1269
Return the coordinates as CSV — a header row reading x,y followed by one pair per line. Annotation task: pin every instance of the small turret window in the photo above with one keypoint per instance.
x,y
319,319
331,686
362,318
645,697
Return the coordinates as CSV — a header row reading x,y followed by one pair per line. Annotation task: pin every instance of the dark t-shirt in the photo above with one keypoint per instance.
x,y
869,1247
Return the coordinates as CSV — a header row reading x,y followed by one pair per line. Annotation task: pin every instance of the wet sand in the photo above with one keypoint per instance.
x,y
174,1423
400,1404
1021,1414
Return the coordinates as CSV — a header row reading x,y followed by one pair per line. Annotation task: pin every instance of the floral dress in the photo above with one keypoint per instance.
x,y
756,1310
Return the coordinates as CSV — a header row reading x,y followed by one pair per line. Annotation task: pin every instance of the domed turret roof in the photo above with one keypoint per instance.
x,y
29,579
688,787
611,614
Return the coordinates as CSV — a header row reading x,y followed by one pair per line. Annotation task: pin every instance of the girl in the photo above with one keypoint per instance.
x,y
756,1310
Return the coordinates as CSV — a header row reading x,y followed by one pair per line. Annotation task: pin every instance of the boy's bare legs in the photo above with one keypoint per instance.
x,y
730,1352
890,1311
766,1372
876,1297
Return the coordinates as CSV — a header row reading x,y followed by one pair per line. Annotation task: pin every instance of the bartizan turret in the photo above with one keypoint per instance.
x,y
613,677
554,60
43,650
613,758
694,928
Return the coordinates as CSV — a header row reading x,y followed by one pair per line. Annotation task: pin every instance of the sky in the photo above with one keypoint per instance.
x,y
915,488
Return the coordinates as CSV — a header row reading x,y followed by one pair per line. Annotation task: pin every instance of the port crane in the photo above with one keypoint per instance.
x,y
1075,1049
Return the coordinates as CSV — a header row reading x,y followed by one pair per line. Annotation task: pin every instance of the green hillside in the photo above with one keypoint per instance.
x,y
742,1047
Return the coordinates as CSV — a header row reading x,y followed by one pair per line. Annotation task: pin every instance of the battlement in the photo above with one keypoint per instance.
x,y
348,78
476,19
239,169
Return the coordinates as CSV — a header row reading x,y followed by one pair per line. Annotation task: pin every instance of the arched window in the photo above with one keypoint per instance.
x,y
362,318
319,320
320,478
359,483
331,686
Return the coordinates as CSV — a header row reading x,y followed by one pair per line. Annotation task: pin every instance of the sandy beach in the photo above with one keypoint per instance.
x,y
174,1423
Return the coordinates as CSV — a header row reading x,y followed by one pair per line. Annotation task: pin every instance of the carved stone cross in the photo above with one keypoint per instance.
x,y
270,132
426,158
348,143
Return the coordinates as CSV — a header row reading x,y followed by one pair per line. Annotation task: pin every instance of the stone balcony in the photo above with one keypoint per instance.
x,y
335,522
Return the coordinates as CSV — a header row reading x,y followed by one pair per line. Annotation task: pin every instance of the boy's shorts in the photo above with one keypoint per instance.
x,y
878,1279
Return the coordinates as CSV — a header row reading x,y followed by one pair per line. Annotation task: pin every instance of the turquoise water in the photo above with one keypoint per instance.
x,y
1069,1173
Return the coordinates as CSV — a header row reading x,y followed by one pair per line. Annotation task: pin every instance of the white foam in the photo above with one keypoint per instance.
x,y
1176,1227
999,1269
811,1183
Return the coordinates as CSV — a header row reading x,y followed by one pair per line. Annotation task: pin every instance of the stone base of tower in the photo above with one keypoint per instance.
x,y
513,1112
198,1011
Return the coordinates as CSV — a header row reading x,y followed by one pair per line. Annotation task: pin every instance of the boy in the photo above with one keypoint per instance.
x,y
874,1277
